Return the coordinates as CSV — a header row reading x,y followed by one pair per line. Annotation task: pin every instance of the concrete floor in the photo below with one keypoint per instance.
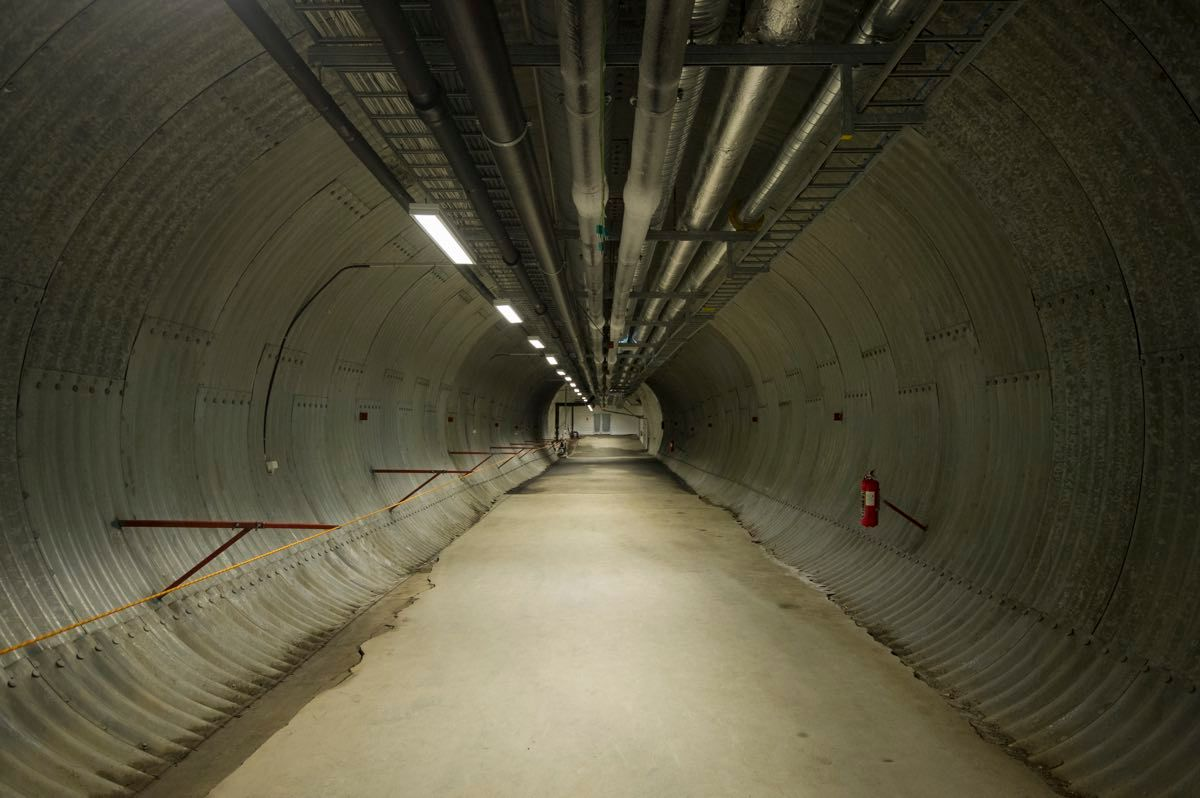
x,y
605,632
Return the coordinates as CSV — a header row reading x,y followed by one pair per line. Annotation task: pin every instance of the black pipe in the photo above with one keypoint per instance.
x,y
279,48
283,344
429,100
470,276
476,42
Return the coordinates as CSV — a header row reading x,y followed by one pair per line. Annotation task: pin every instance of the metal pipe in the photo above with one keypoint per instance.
x,y
476,40
746,99
414,491
809,141
664,36
429,101
707,16
907,517
581,38
214,554
542,27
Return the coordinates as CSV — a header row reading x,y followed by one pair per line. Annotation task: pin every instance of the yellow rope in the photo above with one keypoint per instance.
x,y
235,566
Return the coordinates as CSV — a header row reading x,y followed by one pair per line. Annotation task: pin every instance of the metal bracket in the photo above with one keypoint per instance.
x,y
847,75
889,120
666,295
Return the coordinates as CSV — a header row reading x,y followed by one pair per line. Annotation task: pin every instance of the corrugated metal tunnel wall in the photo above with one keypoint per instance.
x,y
1004,311
168,203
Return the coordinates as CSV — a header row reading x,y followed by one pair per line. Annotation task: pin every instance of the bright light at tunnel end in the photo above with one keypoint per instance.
x,y
508,311
430,219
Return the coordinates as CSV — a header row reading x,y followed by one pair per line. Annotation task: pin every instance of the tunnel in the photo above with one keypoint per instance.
x,y
601,322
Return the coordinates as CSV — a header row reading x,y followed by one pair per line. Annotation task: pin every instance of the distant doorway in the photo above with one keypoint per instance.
x,y
601,423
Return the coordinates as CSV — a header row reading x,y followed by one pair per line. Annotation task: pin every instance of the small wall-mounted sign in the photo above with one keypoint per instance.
x,y
362,415
837,416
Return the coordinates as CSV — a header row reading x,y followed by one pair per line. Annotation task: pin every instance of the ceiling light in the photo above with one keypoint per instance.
x,y
536,343
507,311
430,218
561,373
590,409
552,360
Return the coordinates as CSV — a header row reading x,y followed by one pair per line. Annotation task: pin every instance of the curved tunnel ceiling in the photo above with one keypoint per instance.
x,y
1001,313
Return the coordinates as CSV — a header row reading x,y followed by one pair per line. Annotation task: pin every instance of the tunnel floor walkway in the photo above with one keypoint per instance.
x,y
603,631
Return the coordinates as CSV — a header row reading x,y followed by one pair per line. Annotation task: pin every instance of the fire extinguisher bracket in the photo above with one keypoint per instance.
x,y
869,498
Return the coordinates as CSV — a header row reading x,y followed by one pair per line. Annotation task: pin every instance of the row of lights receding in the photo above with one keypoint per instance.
x,y
509,312
430,218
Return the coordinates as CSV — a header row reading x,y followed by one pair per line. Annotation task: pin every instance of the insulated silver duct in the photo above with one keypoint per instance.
x,y
747,97
664,38
581,39
707,16
809,141
474,36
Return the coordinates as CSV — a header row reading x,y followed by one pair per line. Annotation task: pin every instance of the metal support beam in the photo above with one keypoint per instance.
x,y
414,491
211,556
907,517
335,55
418,471
243,528
514,454
667,295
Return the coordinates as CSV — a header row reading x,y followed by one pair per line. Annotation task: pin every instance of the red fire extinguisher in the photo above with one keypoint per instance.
x,y
870,499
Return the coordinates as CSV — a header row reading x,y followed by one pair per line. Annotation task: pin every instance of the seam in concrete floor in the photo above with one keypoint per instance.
x,y
234,741
791,573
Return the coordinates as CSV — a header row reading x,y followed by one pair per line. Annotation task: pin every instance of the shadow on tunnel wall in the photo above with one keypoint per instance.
x,y
1003,313
1003,310
163,218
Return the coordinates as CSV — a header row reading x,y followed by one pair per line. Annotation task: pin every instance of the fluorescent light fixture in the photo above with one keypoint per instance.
x,y
552,360
536,343
430,218
590,409
507,311
561,373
